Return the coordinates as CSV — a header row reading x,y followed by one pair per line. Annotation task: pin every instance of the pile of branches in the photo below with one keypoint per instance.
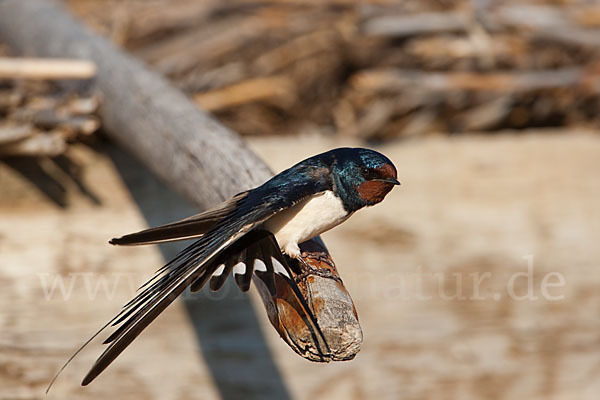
x,y
374,69
40,113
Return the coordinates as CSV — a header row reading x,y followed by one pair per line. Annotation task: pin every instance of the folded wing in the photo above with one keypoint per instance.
x,y
189,228
234,226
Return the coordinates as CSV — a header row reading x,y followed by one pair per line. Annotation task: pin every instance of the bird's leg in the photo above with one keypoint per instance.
x,y
307,269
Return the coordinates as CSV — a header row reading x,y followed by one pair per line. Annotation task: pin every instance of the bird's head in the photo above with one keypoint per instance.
x,y
362,177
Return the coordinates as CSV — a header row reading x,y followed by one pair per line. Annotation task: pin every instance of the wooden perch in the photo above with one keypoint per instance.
x,y
45,68
186,147
287,316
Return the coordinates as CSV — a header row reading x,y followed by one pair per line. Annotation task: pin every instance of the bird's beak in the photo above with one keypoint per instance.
x,y
392,181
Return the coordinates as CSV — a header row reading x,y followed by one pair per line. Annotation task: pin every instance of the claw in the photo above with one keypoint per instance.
x,y
321,257
308,269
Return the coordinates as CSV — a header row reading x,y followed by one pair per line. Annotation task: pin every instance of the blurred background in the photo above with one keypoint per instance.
x,y
478,278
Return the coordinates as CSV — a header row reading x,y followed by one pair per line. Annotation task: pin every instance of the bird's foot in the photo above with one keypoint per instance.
x,y
307,269
321,257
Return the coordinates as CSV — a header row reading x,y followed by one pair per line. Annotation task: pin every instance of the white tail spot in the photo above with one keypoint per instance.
x,y
259,265
279,269
239,268
219,270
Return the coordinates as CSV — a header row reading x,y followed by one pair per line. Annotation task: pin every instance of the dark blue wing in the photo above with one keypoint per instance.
x,y
196,264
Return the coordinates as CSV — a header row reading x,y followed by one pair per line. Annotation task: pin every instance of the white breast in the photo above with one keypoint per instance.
x,y
305,220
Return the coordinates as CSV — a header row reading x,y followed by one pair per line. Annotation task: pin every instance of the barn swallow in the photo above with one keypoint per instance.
x,y
252,233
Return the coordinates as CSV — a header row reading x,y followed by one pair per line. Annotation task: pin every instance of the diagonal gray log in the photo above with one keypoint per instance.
x,y
186,147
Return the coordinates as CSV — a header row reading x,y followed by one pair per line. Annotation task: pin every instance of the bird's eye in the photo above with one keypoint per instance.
x,y
364,170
